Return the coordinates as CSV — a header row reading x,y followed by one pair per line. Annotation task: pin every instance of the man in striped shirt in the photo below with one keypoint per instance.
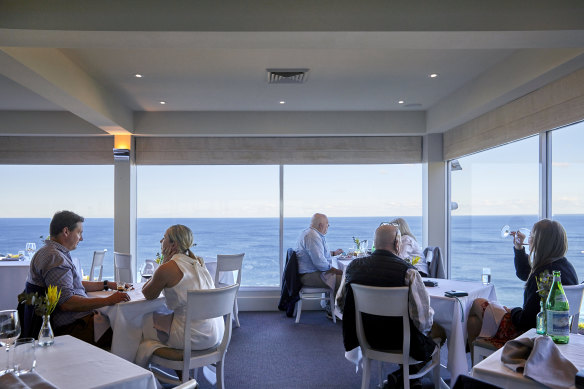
x,y
52,265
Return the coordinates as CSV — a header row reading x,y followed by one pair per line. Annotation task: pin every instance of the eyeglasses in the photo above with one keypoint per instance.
x,y
389,224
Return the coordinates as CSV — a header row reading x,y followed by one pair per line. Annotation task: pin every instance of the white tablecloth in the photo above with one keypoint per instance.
x,y
448,313
72,363
13,276
492,370
126,320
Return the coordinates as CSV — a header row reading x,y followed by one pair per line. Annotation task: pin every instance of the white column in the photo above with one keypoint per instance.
x,y
125,207
435,197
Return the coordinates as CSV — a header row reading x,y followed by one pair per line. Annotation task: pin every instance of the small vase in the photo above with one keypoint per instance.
x,y
46,336
540,320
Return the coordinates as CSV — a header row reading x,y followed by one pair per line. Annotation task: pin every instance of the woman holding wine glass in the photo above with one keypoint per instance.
x,y
548,244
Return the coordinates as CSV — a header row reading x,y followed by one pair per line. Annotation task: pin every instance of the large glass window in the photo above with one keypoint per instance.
x,y
31,194
230,209
356,198
568,189
495,188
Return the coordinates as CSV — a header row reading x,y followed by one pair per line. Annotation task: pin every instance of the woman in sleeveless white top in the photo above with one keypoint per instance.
x,y
204,333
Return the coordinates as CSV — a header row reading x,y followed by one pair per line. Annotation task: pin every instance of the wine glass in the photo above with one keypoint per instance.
x,y
147,270
506,231
30,249
9,331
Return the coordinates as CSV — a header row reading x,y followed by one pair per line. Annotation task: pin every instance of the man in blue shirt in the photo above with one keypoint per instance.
x,y
314,257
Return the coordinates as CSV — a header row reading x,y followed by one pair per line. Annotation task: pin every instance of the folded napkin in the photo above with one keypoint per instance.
x,y
491,319
541,360
25,381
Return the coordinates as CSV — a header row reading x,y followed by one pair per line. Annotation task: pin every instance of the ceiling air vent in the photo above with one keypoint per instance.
x,y
287,76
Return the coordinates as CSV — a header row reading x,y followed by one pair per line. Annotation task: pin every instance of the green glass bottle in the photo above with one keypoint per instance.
x,y
557,308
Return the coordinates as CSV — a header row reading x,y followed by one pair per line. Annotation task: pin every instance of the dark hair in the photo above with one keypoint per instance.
x,y
64,219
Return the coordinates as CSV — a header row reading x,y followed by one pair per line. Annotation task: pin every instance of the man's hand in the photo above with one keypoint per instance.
x,y
118,297
335,271
338,252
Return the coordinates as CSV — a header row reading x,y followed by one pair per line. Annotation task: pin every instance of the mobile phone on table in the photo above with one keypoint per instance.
x,y
455,293
430,283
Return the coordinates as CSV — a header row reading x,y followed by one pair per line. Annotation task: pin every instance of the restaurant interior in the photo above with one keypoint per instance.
x,y
253,83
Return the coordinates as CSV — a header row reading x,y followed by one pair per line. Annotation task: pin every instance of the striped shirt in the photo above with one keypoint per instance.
x,y
52,265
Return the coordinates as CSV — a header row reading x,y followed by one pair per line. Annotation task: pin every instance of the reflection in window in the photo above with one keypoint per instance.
x,y
356,198
568,189
230,209
496,187
33,193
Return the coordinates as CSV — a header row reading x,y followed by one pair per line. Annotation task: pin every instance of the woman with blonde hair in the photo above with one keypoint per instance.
x,y
548,245
410,248
181,271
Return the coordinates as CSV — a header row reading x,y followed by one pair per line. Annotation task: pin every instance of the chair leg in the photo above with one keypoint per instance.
x,y
298,310
406,375
380,373
332,302
236,311
436,373
219,373
366,362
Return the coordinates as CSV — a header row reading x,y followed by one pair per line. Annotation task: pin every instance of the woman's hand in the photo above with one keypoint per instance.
x,y
518,239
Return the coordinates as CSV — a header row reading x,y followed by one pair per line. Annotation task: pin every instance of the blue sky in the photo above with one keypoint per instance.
x,y
503,180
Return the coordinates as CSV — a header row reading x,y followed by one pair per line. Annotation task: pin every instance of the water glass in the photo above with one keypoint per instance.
x,y
24,355
21,255
486,277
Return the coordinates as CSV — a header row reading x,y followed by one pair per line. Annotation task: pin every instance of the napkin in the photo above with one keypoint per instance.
x,y
491,319
25,381
162,320
539,359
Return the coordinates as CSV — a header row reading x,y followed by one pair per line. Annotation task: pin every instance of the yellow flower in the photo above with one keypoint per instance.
x,y
52,297
415,260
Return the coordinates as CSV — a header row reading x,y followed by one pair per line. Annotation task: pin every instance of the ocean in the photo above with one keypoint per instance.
x,y
475,243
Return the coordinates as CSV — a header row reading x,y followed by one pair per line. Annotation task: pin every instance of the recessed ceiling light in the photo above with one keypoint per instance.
x,y
433,75
400,102
138,75
282,102
163,102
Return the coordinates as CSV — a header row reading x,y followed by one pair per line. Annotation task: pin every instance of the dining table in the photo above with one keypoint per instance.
x,y
450,313
73,363
492,370
13,275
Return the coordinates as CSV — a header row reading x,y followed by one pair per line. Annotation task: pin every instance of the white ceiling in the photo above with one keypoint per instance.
x,y
55,60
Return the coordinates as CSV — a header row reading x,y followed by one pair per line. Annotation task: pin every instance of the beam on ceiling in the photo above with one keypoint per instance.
x,y
242,123
521,73
52,75
47,123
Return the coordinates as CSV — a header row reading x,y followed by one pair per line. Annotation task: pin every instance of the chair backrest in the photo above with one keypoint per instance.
x,y
30,322
229,262
433,256
574,293
123,267
374,301
208,304
97,263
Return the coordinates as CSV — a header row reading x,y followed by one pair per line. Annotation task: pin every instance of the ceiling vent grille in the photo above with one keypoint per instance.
x,y
287,76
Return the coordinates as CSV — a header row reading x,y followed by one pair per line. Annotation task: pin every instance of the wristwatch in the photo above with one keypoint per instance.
x,y
105,286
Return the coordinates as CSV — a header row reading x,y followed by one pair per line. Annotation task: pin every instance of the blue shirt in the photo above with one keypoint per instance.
x,y
312,252
52,265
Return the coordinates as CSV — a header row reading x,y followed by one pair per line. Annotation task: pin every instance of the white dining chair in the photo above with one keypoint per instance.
x,y
310,293
97,262
373,300
201,305
123,267
575,294
225,263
